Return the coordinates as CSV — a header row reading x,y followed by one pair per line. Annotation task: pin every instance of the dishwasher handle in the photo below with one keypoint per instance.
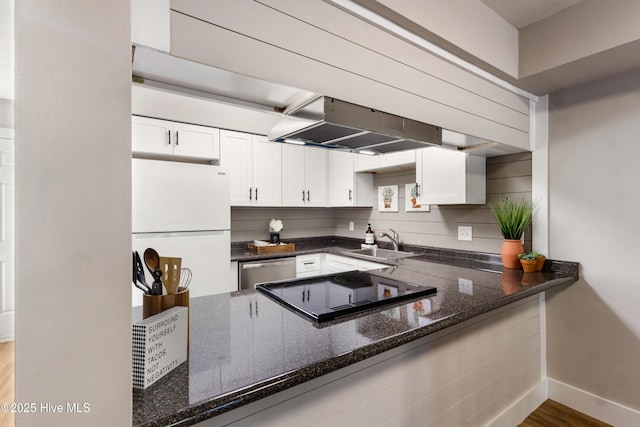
x,y
266,264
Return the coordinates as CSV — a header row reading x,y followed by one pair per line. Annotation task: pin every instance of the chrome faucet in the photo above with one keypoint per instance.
x,y
393,239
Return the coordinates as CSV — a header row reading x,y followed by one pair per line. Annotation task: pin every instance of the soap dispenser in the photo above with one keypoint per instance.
x,y
369,236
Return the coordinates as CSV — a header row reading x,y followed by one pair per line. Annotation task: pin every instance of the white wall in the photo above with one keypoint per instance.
x,y
582,30
73,210
463,376
470,25
593,342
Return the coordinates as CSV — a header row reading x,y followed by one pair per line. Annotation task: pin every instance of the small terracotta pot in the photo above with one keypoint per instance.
x,y
528,265
540,262
509,253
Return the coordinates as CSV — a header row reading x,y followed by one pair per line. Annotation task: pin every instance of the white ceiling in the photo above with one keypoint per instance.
x,y
521,13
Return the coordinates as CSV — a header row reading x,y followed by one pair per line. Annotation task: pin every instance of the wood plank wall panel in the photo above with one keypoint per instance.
x,y
506,175
335,65
252,223
461,378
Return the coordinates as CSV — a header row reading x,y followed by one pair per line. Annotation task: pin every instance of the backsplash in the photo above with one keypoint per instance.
x,y
249,223
510,174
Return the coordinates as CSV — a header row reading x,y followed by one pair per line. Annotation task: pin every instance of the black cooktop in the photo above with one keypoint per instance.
x,y
328,297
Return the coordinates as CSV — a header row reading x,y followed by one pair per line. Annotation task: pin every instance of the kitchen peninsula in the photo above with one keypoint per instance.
x,y
248,354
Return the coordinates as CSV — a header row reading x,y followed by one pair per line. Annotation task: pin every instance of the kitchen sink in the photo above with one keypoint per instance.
x,y
379,254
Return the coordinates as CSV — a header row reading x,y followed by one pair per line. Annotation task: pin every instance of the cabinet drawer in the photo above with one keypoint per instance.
x,y
308,265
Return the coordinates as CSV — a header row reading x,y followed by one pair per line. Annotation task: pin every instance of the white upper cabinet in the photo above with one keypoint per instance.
x,y
450,177
167,138
386,162
345,187
255,165
304,176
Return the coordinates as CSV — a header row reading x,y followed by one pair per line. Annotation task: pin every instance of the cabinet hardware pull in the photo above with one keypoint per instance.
x,y
308,196
250,309
250,193
169,133
303,195
256,194
177,140
350,198
417,190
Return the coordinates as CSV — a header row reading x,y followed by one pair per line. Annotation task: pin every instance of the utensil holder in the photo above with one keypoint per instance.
x,y
154,304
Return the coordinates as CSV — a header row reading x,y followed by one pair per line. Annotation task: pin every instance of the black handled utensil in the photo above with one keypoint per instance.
x,y
138,274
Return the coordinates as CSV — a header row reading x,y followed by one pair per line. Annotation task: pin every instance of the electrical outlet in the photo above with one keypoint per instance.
x,y
465,286
350,225
465,233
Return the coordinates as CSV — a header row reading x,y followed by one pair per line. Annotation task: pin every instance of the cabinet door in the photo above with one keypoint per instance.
x,y
293,175
451,177
236,154
196,141
340,181
336,264
444,171
151,136
267,177
316,176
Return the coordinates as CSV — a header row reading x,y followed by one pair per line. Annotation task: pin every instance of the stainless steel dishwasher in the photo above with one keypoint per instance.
x,y
253,272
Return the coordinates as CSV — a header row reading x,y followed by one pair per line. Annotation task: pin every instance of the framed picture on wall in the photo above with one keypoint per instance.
x,y
412,201
388,198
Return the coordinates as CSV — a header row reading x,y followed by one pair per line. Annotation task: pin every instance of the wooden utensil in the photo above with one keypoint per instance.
x,y
152,260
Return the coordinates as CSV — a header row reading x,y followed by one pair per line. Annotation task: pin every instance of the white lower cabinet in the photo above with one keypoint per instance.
x,y
337,263
255,165
309,265
368,265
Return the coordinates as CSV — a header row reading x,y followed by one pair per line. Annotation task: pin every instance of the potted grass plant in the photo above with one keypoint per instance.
x,y
513,216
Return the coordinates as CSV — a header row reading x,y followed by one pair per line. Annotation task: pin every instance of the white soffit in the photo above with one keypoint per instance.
x,y
157,66
521,13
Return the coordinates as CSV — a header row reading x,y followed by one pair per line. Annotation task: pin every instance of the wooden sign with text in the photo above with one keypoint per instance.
x,y
159,345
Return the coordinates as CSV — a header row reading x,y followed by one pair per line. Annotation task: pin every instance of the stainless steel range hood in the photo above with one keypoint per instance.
x,y
332,123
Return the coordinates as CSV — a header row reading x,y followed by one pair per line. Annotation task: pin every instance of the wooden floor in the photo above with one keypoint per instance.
x,y
6,381
549,414
554,414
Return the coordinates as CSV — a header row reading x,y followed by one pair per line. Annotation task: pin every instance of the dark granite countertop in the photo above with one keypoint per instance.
x,y
244,346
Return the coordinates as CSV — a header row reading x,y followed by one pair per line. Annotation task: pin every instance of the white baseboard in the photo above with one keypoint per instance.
x,y
595,406
522,407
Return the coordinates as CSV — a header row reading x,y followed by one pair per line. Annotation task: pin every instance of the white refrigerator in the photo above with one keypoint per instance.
x,y
182,210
